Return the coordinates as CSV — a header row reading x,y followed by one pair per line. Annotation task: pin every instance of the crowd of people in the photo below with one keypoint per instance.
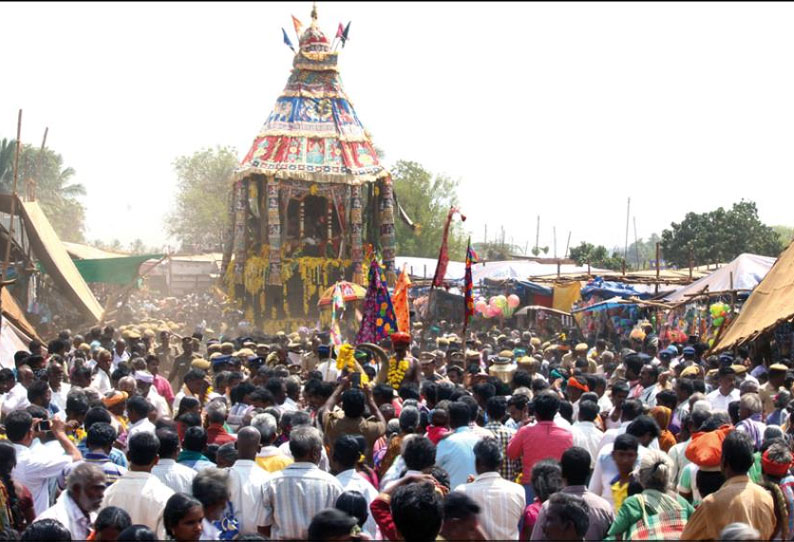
x,y
133,434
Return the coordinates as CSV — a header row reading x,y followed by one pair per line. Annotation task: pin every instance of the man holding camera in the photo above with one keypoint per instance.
x,y
36,464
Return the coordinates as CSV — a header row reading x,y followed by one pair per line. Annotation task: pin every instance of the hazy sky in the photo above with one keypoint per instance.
x,y
562,110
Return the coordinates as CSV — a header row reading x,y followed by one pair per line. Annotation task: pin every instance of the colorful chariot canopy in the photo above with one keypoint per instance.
x,y
313,133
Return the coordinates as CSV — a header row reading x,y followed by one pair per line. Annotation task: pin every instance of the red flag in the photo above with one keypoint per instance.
x,y
340,31
443,254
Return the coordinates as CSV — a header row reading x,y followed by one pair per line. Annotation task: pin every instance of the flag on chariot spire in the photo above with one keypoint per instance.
x,y
298,26
287,42
345,34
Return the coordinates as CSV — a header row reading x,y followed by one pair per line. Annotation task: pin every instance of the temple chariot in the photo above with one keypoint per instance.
x,y
308,199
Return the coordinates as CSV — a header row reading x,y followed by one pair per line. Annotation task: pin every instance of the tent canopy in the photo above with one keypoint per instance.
x,y
50,252
771,303
747,269
122,270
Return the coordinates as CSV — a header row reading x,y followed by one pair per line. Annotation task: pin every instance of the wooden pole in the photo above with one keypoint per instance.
x,y
691,258
40,161
623,267
567,244
658,253
537,236
626,245
7,258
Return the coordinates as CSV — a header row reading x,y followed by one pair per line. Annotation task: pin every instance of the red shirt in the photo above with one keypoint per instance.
x,y
533,443
216,434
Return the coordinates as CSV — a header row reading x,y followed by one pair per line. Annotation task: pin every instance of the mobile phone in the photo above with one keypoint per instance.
x,y
44,425
355,380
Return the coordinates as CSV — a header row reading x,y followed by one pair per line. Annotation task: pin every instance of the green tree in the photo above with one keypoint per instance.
x,y
645,249
426,198
201,213
7,150
54,189
719,236
786,235
596,256
137,247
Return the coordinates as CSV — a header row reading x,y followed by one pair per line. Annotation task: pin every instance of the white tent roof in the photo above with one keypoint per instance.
x,y
748,270
523,269
425,268
508,269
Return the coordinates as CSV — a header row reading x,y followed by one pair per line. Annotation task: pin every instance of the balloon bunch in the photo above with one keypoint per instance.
x,y
718,311
499,306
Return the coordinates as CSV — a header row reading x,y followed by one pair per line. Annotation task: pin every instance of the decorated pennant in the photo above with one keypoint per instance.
x,y
400,302
468,285
378,321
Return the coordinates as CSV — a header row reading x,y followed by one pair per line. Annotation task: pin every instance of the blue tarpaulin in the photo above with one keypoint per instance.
x,y
607,289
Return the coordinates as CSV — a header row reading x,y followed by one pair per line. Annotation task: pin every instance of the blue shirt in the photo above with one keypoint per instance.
x,y
116,455
455,454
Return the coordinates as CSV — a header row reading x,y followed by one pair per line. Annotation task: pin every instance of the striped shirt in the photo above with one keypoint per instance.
x,y
501,503
293,496
112,471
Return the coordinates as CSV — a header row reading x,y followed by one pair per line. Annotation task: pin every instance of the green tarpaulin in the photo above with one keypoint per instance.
x,y
113,270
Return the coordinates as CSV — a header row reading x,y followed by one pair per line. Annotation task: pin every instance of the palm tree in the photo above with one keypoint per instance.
x,y
55,192
7,149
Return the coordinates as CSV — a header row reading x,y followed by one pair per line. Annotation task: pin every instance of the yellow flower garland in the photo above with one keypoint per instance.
x,y
345,359
397,372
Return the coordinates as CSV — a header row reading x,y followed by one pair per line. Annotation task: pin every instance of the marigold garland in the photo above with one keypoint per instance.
x,y
397,372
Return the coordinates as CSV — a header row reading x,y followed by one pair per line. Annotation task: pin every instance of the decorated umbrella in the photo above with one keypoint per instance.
x,y
350,292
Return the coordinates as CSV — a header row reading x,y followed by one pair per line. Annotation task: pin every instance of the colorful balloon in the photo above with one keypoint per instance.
x,y
513,301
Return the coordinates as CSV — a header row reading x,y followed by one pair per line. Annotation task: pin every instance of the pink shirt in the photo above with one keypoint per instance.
x,y
532,443
163,388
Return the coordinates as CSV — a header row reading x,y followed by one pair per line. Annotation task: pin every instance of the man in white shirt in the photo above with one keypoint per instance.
x,y
326,366
38,464
101,379
645,429
138,410
585,433
17,397
247,481
120,353
77,506
294,495
143,383
501,502
59,388
177,477
139,492
727,392
346,453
